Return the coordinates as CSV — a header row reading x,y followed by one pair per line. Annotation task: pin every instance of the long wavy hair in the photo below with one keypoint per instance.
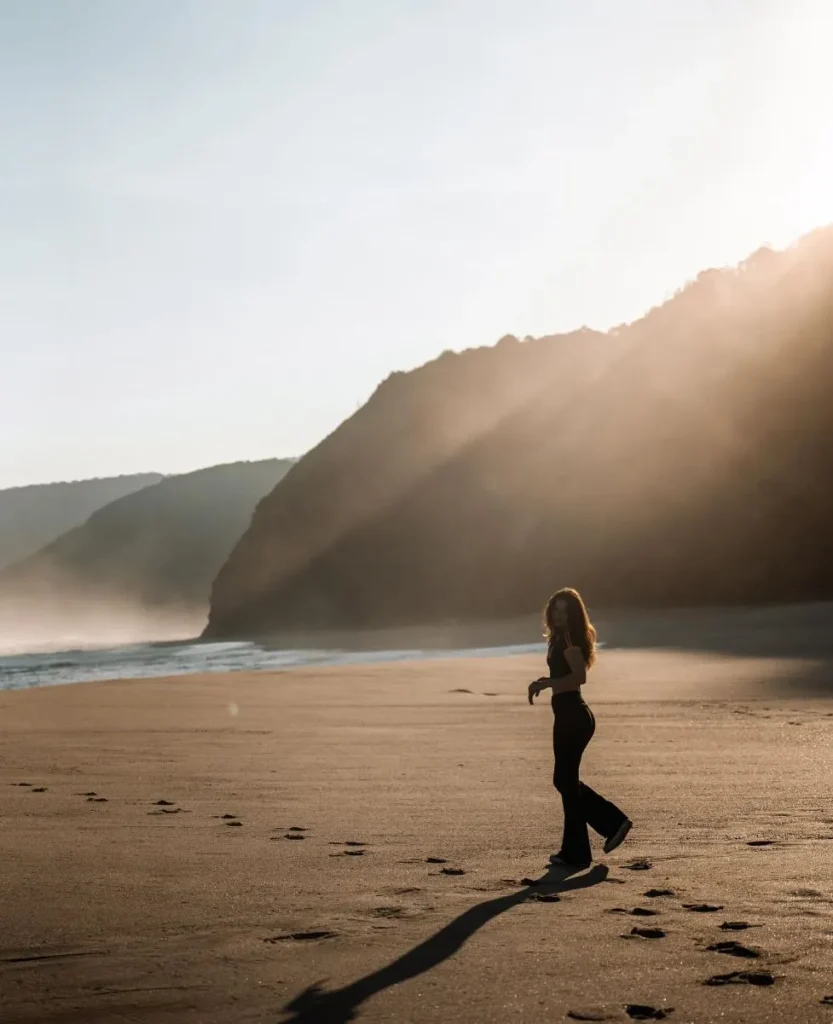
x,y
579,630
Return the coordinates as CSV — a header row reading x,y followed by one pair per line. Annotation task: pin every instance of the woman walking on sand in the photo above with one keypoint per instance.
x,y
571,651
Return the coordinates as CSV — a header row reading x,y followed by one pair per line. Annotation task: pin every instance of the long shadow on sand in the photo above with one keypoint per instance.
x,y
316,1006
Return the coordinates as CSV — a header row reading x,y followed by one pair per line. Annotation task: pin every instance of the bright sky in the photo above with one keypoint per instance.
x,y
223,222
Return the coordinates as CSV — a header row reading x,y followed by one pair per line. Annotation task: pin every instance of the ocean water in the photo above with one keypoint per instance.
x,y
138,661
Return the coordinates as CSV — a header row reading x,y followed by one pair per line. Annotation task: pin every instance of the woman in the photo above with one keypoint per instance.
x,y
571,651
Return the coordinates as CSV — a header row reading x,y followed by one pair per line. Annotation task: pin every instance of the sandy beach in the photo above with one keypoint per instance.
x,y
326,845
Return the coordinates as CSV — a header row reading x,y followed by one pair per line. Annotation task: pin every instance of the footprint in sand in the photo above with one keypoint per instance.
x,y
639,1011
224,817
645,933
760,978
642,864
436,860
632,1011
654,893
234,824
636,912
388,912
735,926
702,908
167,807
452,871
543,897
312,936
297,828
39,789
96,799
734,949
761,842
21,783
460,689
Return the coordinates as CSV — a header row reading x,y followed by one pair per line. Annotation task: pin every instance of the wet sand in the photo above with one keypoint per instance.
x,y
368,830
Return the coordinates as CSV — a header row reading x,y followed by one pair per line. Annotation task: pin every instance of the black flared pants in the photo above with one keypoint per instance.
x,y
572,730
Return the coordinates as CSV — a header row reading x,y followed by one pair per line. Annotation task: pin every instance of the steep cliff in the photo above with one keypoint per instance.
x,y
684,458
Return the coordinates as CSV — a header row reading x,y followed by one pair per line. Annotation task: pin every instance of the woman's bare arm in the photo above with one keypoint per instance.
x,y
578,670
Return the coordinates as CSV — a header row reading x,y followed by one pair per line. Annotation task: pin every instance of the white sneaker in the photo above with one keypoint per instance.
x,y
618,836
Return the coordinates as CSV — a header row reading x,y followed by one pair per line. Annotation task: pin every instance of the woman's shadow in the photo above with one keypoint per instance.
x,y
316,1006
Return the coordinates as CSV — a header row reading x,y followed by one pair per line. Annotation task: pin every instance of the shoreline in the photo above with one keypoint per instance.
x,y
788,634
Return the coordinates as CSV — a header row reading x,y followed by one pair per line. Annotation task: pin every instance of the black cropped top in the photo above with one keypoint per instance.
x,y
556,661
559,667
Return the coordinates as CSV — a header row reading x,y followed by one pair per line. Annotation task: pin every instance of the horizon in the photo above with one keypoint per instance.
x,y
202,209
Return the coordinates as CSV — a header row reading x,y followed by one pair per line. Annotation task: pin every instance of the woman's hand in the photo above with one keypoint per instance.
x,y
536,687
